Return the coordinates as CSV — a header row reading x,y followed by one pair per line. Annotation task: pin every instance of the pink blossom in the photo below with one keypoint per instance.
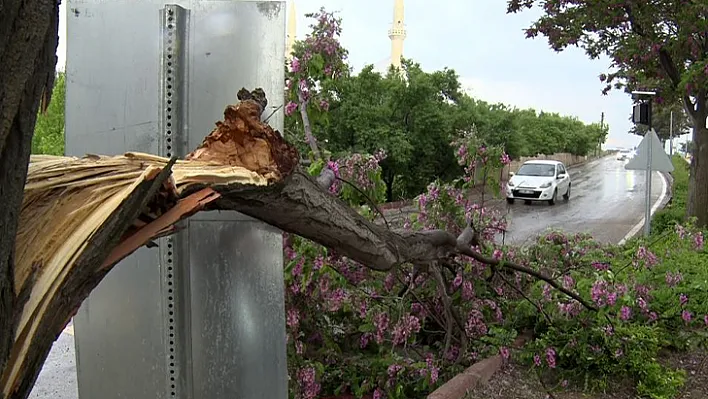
x,y
647,257
381,321
318,262
497,254
698,241
457,281
335,299
294,65
683,299
297,269
364,340
686,316
625,313
475,326
672,279
568,282
551,357
309,388
290,108
705,320
293,318
378,394
405,327
537,360
504,352
393,370
467,290
600,266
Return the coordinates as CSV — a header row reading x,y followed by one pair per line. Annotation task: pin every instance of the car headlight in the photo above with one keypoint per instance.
x,y
545,185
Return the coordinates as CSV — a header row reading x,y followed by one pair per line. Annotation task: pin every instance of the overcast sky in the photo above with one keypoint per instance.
x,y
485,46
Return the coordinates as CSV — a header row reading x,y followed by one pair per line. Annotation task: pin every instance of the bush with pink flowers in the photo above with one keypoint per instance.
x,y
402,333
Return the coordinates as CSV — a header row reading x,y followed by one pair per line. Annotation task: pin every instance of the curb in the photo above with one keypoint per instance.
x,y
477,374
667,199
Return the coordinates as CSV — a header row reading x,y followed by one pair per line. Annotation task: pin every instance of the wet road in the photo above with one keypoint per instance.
x,y
606,201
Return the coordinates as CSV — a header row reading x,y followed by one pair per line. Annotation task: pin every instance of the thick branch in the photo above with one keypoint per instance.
x,y
109,206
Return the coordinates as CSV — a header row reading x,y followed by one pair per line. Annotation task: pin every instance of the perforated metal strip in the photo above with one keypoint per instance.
x,y
173,76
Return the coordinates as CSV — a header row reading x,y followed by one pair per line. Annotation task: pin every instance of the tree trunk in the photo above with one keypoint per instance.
x,y
28,43
697,204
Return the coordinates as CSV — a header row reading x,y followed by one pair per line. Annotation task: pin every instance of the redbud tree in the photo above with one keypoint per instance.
x,y
315,63
658,45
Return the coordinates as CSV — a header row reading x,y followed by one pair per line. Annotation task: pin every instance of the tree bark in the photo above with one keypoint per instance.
x,y
28,42
697,204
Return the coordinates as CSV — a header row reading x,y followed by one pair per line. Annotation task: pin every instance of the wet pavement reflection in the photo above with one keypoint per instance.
x,y
606,201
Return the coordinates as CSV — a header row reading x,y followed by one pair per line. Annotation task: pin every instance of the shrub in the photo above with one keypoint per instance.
x,y
675,211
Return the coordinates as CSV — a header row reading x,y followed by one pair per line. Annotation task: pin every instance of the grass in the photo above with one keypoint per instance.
x,y
675,211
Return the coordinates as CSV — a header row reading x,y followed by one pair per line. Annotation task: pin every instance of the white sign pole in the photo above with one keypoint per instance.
x,y
647,195
656,160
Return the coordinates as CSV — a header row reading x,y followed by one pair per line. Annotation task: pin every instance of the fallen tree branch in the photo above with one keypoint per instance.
x,y
81,216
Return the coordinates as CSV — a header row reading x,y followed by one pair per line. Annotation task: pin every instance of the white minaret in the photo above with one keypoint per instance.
x,y
397,34
291,31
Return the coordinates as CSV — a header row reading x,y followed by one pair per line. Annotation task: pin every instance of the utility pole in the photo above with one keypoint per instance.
x,y
602,127
671,134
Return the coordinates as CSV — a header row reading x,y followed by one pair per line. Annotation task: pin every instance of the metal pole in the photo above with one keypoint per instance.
x,y
671,134
647,198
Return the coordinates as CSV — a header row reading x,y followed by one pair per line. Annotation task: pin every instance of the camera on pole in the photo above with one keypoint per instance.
x,y
641,112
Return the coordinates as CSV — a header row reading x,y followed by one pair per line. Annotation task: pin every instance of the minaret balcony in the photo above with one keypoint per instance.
x,y
397,32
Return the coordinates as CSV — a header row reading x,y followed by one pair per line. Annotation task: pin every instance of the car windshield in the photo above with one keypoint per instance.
x,y
536,169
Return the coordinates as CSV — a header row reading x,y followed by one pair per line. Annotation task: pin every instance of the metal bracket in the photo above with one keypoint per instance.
x,y
173,100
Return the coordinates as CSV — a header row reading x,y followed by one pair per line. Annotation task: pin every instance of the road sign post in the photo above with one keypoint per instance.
x,y
650,157
202,315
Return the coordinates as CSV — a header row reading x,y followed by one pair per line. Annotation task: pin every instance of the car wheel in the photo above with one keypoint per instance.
x,y
552,201
509,200
566,196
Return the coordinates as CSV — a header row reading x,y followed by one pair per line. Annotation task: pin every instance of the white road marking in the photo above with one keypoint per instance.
x,y
654,208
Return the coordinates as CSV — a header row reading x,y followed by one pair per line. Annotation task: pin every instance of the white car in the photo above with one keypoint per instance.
x,y
624,154
539,181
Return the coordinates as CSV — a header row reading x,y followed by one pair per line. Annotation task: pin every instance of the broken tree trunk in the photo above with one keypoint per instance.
x,y
81,216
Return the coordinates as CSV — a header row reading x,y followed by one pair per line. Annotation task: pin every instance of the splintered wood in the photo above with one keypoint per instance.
x,y
69,203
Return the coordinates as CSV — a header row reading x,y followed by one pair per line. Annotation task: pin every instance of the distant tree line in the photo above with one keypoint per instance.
x,y
415,115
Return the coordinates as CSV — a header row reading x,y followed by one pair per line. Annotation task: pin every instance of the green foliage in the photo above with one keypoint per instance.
x,y
414,118
647,303
675,211
49,129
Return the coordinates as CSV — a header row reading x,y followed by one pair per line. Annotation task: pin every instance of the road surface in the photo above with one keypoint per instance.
x,y
606,201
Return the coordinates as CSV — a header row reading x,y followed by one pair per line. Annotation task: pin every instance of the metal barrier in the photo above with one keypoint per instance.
x,y
202,316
